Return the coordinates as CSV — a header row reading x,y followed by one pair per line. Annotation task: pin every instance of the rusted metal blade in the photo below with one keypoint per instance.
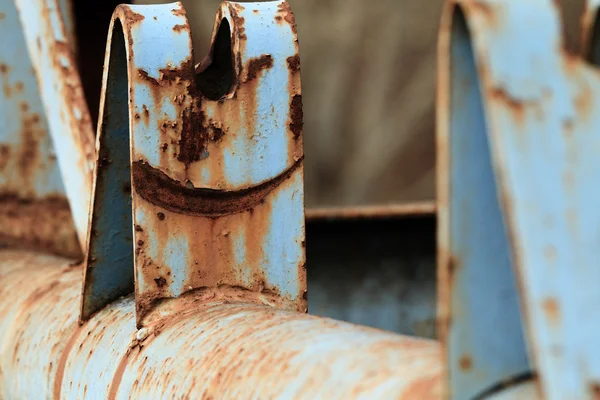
x,y
34,211
216,160
52,55
534,105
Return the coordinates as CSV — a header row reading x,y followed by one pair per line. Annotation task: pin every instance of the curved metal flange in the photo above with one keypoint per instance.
x,y
34,211
216,161
517,139
53,59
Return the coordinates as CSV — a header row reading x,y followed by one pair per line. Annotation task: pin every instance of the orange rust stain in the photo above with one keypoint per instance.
x,y
255,11
552,310
516,106
4,155
19,86
181,27
238,7
24,106
584,101
2,16
180,12
286,12
424,388
465,362
258,64
132,16
293,63
4,69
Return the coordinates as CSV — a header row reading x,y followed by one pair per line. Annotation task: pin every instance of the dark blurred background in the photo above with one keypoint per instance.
x,y
368,83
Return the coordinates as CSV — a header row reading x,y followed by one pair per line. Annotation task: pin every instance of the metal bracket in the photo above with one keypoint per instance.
x,y
517,142
215,157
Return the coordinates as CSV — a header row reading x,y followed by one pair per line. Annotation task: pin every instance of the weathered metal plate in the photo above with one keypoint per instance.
x,y
538,103
52,55
34,211
216,159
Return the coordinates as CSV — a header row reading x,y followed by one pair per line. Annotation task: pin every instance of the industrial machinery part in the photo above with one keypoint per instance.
x,y
518,242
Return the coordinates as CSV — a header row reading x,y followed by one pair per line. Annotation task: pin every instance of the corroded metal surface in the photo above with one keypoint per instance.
x,y
216,159
216,345
34,211
517,132
51,53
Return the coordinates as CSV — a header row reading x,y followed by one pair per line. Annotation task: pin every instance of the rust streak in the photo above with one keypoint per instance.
x,y
516,106
293,63
181,27
296,115
552,310
256,65
180,12
157,188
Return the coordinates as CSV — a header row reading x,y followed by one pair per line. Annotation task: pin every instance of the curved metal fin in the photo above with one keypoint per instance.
x,y
542,132
216,167
478,301
34,211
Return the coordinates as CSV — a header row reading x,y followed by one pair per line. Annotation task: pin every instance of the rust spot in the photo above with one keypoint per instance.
x,y
180,12
160,282
138,228
278,19
551,309
296,115
164,147
255,11
516,106
4,69
583,101
24,106
293,63
465,362
181,27
19,86
256,65
132,16
2,16
286,12
144,75
157,188
160,215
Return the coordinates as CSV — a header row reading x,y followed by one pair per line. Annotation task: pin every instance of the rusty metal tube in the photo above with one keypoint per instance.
x,y
214,347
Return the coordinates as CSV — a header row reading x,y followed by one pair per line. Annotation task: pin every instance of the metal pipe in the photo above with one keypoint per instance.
x,y
215,345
